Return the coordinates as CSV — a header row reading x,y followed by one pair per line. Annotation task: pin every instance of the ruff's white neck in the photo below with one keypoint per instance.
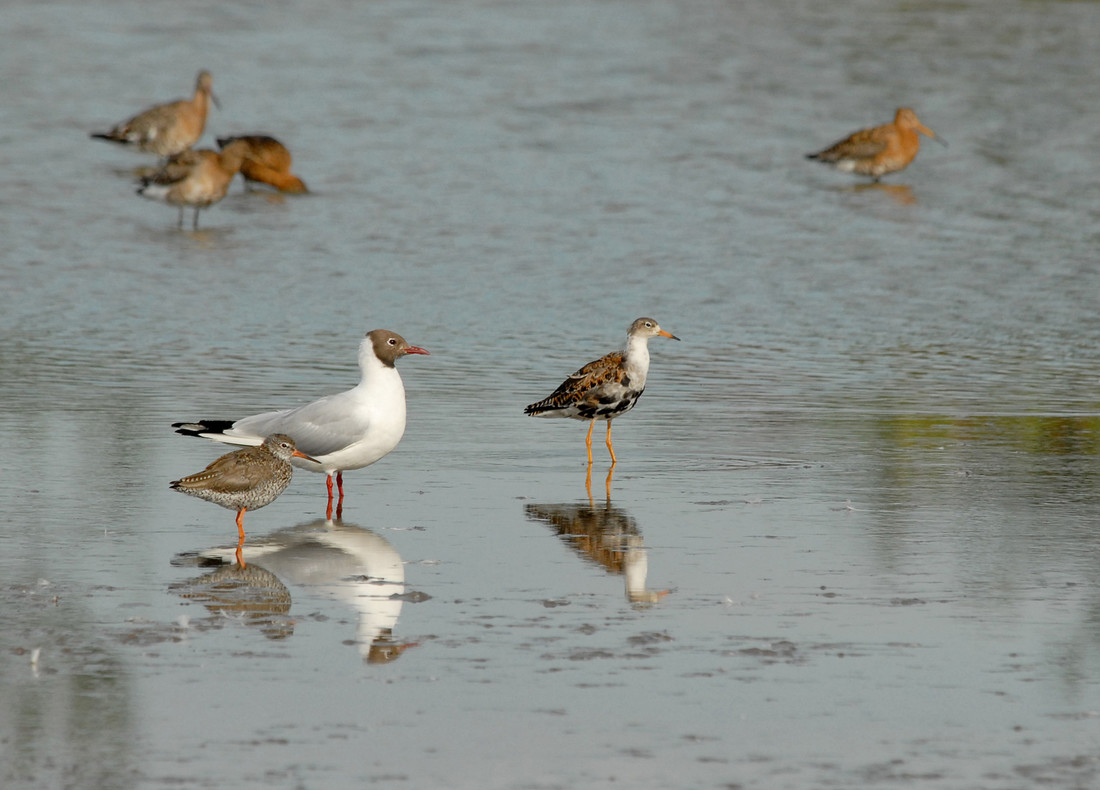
x,y
636,359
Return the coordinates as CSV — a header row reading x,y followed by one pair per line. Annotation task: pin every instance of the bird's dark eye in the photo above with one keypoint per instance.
x,y
392,342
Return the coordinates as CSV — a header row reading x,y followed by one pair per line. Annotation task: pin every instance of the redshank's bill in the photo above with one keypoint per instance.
x,y
266,161
245,479
607,388
167,129
342,432
880,150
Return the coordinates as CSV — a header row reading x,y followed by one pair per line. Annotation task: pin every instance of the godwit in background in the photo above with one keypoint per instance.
x,y
167,129
193,179
880,150
266,161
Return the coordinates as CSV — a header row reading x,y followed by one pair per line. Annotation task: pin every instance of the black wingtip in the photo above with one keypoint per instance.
x,y
199,428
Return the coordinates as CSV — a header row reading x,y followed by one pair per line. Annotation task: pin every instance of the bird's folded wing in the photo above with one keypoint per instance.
x,y
319,428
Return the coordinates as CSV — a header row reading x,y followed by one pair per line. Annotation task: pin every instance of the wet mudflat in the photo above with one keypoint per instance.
x,y
852,537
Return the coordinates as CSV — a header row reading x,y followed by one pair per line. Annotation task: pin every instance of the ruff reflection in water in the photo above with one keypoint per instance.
x,y
606,388
606,535
246,479
353,566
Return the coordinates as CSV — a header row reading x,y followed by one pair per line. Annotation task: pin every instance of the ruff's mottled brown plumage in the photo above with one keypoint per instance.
x,y
606,388
246,479
167,129
266,161
880,150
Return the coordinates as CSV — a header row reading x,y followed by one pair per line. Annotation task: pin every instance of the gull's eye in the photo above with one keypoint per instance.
x,y
392,341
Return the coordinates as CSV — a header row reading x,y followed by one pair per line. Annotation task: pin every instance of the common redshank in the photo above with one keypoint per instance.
x,y
245,479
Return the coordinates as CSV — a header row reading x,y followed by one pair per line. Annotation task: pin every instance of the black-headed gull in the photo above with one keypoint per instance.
x,y
341,432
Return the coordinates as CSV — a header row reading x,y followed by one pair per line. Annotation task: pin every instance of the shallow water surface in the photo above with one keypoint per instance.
x,y
852,537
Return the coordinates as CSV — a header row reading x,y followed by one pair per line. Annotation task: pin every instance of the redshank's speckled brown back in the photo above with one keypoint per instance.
x,y
245,479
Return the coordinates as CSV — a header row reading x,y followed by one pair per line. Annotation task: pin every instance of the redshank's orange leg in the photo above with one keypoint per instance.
x,y
240,536
588,443
611,449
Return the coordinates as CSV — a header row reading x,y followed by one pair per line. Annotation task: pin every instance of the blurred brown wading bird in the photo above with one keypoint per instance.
x,y
265,161
196,179
167,129
880,150
606,388
245,479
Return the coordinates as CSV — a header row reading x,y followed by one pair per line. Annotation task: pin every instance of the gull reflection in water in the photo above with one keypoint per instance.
x,y
347,563
606,535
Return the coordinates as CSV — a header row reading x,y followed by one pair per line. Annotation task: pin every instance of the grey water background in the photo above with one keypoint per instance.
x,y
867,477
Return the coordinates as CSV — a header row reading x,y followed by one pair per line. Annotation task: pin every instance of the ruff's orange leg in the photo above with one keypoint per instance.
x,y
588,443
611,449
